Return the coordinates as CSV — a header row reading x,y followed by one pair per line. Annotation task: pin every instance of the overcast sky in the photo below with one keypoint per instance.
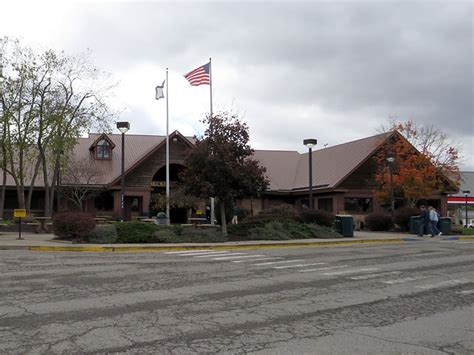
x,y
334,71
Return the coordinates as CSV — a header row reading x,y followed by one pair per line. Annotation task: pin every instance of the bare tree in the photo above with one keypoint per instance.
x,y
49,99
80,182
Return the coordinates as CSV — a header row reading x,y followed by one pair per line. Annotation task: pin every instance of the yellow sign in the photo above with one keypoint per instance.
x,y
19,213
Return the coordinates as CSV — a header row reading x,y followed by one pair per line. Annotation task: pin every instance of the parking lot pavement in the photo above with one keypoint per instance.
x,y
384,298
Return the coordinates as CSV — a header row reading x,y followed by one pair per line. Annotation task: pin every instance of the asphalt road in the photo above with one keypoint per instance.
x,y
412,298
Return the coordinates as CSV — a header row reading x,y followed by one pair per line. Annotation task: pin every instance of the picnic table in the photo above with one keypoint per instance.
x,y
101,220
147,220
41,224
195,221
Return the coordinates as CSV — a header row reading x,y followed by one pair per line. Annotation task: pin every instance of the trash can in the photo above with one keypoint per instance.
x,y
344,225
415,224
444,225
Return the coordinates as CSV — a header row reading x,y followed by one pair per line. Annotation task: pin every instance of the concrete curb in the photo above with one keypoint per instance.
x,y
140,249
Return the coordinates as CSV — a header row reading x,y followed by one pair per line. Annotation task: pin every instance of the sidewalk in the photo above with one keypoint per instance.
x,y
45,242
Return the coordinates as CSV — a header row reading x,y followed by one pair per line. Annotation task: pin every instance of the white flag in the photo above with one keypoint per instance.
x,y
159,91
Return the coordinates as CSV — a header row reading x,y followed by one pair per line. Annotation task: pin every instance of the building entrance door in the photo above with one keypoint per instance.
x,y
132,207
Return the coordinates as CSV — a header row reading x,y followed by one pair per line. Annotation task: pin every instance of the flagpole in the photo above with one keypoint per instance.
x,y
210,83
213,213
167,153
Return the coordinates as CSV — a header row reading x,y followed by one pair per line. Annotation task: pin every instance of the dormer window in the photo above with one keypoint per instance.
x,y
103,150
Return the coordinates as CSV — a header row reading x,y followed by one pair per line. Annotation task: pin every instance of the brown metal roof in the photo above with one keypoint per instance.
x,y
290,170
286,170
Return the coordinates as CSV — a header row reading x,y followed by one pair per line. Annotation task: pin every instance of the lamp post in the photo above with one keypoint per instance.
x,y
58,181
466,194
391,159
310,143
123,127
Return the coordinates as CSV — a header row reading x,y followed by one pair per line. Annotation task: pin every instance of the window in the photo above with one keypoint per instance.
x,y
358,204
325,204
103,150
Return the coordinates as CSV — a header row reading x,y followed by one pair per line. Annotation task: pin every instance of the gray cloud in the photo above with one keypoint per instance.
x,y
353,60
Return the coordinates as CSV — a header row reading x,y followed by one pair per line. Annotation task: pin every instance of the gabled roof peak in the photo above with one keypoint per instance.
x,y
101,137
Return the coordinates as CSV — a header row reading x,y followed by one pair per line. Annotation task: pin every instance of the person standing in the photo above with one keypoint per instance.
x,y
434,222
425,220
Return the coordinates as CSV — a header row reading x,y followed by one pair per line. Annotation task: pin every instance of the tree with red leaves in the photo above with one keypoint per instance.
x,y
425,162
221,164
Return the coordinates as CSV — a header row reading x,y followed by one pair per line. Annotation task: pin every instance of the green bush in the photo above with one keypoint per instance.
x,y
243,229
323,232
297,230
264,228
165,235
103,234
135,232
241,213
270,231
195,235
283,211
74,226
189,235
378,222
402,216
321,217
468,231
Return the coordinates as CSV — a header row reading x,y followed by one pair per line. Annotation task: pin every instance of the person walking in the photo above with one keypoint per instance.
x,y
425,220
434,222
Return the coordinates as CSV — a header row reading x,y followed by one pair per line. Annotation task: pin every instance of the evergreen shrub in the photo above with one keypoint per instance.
x,y
321,217
270,231
74,226
323,232
282,211
135,232
103,234
378,222
189,235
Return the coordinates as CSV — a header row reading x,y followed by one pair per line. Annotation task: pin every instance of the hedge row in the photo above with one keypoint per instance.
x,y
278,223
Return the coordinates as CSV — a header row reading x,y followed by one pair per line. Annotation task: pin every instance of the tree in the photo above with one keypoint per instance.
x,y
221,165
424,162
48,100
80,182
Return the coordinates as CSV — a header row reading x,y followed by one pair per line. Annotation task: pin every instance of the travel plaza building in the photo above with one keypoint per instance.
x,y
343,176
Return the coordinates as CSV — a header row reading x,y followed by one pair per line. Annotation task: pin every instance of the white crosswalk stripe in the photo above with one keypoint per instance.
x,y
443,284
324,268
189,251
374,276
466,292
207,255
277,262
260,259
352,271
405,279
235,256
297,265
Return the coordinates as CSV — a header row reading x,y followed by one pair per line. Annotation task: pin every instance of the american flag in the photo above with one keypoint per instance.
x,y
199,76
